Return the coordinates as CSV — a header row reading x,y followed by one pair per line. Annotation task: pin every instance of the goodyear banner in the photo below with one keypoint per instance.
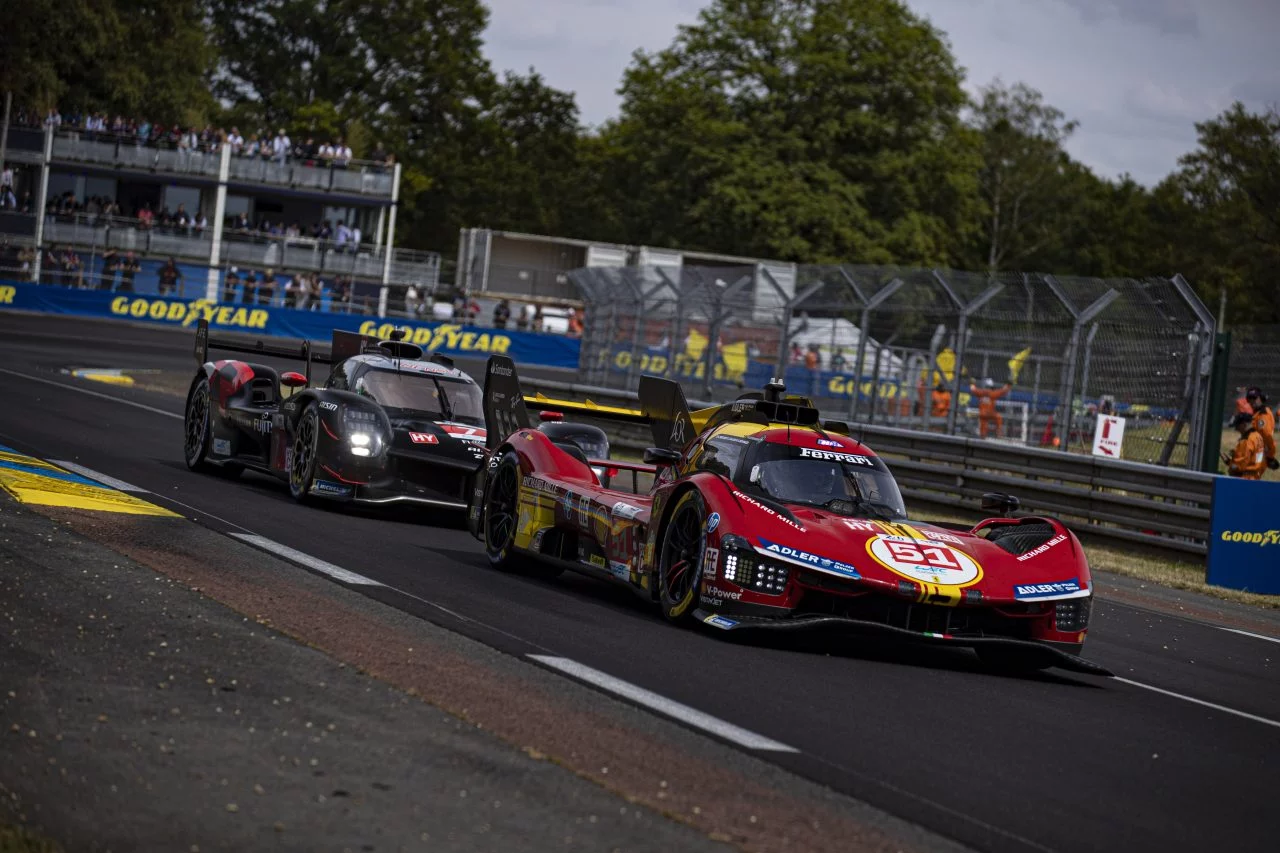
x,y
1244,535
451,339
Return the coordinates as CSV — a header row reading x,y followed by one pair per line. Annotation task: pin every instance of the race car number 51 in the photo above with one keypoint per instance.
x,y
925,561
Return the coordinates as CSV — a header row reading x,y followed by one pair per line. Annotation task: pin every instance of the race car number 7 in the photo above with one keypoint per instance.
x,y
931,556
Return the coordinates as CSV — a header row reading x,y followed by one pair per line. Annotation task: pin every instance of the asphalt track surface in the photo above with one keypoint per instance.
x,y
1048,762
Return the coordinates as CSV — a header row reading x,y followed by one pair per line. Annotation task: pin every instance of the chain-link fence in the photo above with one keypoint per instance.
x,y
1025,358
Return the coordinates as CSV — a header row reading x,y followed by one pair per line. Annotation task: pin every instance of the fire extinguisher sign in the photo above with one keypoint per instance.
x,y
1108,436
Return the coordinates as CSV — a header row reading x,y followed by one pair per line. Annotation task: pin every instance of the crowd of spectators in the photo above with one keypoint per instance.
x,y
100,211
262,145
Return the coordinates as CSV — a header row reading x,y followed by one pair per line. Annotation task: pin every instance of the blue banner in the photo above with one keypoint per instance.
x,y
1244,535
534,348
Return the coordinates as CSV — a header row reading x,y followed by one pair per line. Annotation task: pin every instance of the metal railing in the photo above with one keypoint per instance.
x,y
1162,509
359,177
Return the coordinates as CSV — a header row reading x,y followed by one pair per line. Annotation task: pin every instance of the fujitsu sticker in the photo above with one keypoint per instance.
x,y
423,438
924,560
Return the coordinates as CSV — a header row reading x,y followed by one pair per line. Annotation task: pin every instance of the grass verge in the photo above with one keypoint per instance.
x,y
17,839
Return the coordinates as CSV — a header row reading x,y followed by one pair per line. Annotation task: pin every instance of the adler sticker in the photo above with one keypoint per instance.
x,y
924,561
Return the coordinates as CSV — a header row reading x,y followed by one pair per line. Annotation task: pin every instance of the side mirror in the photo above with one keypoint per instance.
x,y
661,456
291,379
550,416
1001,503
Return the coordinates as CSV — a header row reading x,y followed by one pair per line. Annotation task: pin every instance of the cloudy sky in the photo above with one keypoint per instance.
x,y
1136,74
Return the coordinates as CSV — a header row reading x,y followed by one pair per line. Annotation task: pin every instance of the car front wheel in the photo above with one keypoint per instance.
x,y
680,558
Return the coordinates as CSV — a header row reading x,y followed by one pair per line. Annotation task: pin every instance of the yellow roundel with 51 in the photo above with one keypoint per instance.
x,y
924,560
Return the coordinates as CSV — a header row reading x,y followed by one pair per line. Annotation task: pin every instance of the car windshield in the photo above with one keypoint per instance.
x,y
845,483
436,397
591,443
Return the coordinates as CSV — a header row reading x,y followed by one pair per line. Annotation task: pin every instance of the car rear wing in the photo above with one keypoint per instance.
x,y
662,407
343,345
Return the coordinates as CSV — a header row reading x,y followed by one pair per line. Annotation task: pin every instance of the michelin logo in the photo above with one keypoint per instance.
x,y
1046,590
720,622
324,487
794,555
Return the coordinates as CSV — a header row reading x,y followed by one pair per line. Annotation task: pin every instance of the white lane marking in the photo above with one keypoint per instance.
x,y
91,393
1249,634
1196,701
109,482
663,705
335,572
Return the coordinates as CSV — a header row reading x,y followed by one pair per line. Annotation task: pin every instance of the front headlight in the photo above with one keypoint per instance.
x,y
360,439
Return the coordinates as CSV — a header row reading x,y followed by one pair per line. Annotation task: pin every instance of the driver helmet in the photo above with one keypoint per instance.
x,y
787,479
988,383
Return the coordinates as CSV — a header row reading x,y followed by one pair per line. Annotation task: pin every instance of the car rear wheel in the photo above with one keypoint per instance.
x,y
680,557
196,429
306,444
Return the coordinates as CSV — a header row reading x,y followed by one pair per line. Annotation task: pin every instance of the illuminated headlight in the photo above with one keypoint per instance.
x,y
363,443
747,569
360,439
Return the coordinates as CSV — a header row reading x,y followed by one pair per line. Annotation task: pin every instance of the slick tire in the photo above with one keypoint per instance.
x,y
680,554
501,514
306,447
1013,661
197,430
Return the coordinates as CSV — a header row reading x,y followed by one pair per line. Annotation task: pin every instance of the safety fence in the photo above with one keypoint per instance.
x,y
1026,359
1162,509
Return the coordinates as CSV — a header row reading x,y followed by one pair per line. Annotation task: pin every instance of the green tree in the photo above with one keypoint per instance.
x,y
799,129
1226,198
137,57
1026,177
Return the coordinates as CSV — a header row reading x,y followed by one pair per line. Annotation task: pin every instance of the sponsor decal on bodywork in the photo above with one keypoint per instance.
x,y
619,570
827,442
324,487
263,424
804,558
713,521
423,438
327,406
924,560
860,526
1036,552
464,432
745,498
717,621
1046,590
727,595
222,447
833,456
710,562
624,510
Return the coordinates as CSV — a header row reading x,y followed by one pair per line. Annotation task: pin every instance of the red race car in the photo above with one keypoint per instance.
x,y
763,516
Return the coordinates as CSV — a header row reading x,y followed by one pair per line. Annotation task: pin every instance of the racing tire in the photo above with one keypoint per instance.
x,y
680,554
306,447
197,430
501,514
1013,661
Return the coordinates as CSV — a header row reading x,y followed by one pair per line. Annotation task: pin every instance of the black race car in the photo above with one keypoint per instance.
x,y
389,425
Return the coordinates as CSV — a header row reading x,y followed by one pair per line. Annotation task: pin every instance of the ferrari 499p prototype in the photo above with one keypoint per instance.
x,y
389,425
762,516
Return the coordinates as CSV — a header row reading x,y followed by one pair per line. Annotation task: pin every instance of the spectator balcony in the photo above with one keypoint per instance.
x,y
374,181
249,250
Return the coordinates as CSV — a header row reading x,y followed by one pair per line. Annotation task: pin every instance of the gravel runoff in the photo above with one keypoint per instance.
x,y
136,714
